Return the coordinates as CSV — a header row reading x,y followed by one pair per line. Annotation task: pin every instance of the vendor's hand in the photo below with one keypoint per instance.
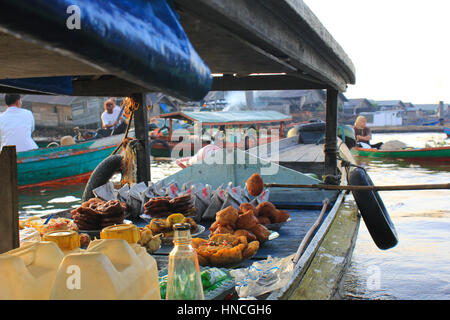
x,y
115,123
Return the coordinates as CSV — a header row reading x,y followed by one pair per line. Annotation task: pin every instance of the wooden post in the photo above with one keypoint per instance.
x,y
330,147
141,132
9,212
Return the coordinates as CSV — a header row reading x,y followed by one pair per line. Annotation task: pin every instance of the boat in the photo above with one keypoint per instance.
x,y
162,145
447,131
434,154
72,164
147,49
327,242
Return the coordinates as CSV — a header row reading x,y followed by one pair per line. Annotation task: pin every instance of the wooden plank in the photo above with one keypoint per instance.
x,y
331,132
9,214
141,132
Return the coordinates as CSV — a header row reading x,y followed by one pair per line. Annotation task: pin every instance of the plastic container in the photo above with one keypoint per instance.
x,y
108,269
183,277
28,272
128,232
67,240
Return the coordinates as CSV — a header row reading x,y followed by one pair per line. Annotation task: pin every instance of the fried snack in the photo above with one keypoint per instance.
x,y
222,229
227,216
264,220
267,209
223,249
245,233
255,185
148,240
85,239
246,220
281,216
261,232
244,207
192,222
96,214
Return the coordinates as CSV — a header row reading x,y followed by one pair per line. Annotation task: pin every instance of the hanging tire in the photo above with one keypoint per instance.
x,y
101,175
373,211
159,141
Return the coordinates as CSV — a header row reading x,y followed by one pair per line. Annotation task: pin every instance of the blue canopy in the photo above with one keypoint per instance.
x,y
139,41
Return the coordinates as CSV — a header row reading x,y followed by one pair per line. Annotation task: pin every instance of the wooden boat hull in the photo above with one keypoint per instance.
x,y
424,154
63,165
319,271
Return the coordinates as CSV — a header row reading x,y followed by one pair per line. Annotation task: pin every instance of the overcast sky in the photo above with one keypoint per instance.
x,y
400,48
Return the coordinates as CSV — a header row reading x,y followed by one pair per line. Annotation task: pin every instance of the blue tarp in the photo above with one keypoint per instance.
x,y
137,40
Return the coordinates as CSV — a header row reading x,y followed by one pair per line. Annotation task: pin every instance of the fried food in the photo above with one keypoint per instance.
x,y
255,185
245,233
227,216
223,249
261,232
165,225
148,240
223,229
266,209
96,214
160,207
246,220
264,220
244,207
281,216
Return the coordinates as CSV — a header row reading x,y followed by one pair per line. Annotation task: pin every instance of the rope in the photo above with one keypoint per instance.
x,y
130,107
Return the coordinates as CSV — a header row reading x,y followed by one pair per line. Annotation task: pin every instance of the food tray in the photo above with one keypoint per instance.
x,y
200,229
276,226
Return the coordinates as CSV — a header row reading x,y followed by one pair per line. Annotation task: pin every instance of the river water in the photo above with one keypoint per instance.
x,y
417,268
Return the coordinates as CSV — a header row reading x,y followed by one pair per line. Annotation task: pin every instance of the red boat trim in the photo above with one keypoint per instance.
x,y
77,179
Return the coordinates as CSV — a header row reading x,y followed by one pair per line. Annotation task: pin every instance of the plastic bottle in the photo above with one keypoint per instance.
x,y
184,281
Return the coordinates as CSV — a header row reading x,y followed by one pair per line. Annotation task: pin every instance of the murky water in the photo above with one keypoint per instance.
x,y
417,268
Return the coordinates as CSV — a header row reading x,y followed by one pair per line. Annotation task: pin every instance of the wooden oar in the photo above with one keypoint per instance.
x,y
349,187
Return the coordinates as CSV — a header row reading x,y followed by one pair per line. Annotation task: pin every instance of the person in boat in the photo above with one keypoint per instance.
x,y
112,120
363,134
16,125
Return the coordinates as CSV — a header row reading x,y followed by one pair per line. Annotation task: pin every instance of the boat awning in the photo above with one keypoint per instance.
x,y
230,118
96,47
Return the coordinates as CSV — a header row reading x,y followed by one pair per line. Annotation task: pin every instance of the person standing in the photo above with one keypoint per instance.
x,y
16,125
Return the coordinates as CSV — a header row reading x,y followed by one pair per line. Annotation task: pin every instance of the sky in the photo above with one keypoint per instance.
x,y
400,48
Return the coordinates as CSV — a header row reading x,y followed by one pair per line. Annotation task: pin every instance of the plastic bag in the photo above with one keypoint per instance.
x,y
263,276
232,197
264,196
215,205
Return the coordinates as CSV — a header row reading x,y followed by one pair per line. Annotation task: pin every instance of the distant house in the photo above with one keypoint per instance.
x,y
356,106
383,118
389,104
295,100
49,111
86,112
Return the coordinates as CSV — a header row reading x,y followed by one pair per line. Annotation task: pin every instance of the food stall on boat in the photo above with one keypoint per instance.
x,y
243,128
147,49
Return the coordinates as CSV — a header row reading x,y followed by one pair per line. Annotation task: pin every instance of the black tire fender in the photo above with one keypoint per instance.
x,y
373,211
101,174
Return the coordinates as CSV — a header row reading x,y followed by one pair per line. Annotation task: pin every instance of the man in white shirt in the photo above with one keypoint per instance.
x,y
16,125
112,119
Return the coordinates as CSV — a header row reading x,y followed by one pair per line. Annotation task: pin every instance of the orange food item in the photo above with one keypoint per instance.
x,y
267,209
224,249
223,229
227,216
255,185
248,234
281,216
261,232
264,220
246,207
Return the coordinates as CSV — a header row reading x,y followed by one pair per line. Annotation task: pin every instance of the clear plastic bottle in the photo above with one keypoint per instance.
x,y
183,279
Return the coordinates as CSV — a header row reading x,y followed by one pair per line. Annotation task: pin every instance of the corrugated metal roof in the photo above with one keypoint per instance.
x,y
230,117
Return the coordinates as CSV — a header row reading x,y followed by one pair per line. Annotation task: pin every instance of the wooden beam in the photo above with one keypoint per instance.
x,y
9,213
141,133
330,147
263,82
